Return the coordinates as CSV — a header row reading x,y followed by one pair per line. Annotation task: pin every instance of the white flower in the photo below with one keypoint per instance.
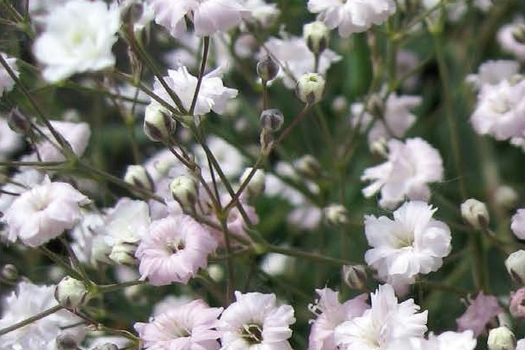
x,y
254,321
296,58
500,110
213,95
29,300
19,183
76,134
352,16
78,37
411,244
44,212
409,169
518,224
208,16
508,42
228,157
261,11
84,237
6,81
10,141
454,340
493,72
384,324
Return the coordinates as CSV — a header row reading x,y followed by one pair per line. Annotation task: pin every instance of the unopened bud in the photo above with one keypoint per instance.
x,y
256,184
354,276
271,119
66,341
267,69
308,166
184,190
18,122
310,88
379,147
71,293
518,33
316,35
10,272
501,338
375,106
138,176
132,12
515,264
475,213
123,253
158,124
506,197
336,215
517,303
107,346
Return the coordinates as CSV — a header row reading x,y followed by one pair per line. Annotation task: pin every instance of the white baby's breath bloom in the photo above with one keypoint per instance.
x,y
20,182
352,16
213,95
493,72
411,244
78,37
76,134
230,159
44,212
10,141
254,321
508,42
208,16
410,167
384,324
6,81
261,11
518,224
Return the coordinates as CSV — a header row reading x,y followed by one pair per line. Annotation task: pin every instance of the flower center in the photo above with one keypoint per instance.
x,y
174,247
252,333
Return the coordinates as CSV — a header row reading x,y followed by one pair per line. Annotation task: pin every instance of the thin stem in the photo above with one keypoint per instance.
x,y
108,288
205,51
292,125
30,320
245,183
309,256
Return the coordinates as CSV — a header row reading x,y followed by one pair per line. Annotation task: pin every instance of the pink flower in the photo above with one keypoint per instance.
x,y
190,326
174,250
517,303
331,313
480,311
508,42
518,224
255,322
44,212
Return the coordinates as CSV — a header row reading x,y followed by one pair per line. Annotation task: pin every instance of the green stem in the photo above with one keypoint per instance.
x,y
30,320
204,59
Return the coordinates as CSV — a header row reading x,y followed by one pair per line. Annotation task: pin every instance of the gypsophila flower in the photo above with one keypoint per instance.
x,y
44,212
508,42
29,300
385,323
493,72
78,37
410,167
190,326
517,303
10,141
174,250
76,134
449,341
518,224
261,12
208,16
330,314
480,312
352,16
411,244
254,321
6,81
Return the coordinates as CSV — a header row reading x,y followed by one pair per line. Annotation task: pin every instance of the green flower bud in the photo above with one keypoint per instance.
x,y
501,338
138,176
158,124
185,191
317,36
475,213
71,293
310,88
267,69
515,264
271,119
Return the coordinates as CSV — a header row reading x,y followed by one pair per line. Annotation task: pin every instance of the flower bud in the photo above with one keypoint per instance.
x,y
354,276
271,119
267,69
375,106
107,346
506,197
138,176
18,122
310,88
71,293
66,341
515,264
123,253
336,215
158,124
517,303
256,185
184,190
501,338
10,272
518,33
475,213
316,35
308,166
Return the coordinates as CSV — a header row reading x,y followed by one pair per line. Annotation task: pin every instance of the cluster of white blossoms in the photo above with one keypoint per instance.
x,y
6,80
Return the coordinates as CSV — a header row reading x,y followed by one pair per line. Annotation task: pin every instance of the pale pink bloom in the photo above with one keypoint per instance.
x,y
76,134
19,183
352,16
385,323
254,321
397,118
44,212
190,326
480,312
174,250
78,37
508,42
500,110
261,12
493,72
411,166
447,341
517,303
213,95
29,300
10,141
518,224
296,58
411,244
330,314
520,345
208,16
6,81
170,302
85,235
